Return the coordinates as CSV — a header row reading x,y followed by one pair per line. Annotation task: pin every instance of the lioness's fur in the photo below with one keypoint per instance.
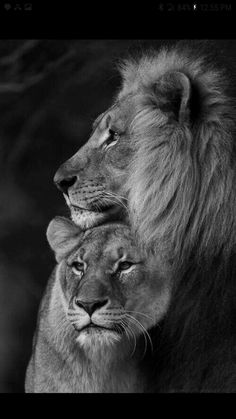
x,y
178,177
78,349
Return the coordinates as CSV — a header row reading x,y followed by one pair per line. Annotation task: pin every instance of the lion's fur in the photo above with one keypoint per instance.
x,y
175,165
182,182
182,199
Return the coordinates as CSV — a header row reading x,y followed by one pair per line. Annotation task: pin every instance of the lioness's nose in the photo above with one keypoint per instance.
x,y
91,306
64,183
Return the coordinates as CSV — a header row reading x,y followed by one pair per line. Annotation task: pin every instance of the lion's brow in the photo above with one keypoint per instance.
x,y
100,117
97,120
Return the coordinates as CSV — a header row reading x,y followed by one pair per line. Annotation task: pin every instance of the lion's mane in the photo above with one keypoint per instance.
x,y
182,197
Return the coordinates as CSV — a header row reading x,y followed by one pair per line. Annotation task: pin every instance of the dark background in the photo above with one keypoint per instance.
x,y
50,92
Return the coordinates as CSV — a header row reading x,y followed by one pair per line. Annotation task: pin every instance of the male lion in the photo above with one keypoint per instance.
x,y
98,306
165,151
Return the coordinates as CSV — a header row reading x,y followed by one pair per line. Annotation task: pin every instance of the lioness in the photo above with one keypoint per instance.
x,y
96,310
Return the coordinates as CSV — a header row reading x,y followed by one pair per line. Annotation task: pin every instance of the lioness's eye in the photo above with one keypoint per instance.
x,y
77,268
124,266
112,138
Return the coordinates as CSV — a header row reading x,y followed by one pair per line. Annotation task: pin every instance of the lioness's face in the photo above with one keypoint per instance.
x,y
109,291
92,181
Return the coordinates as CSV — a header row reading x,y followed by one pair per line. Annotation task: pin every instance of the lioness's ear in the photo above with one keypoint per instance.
x,y
172,91
62,235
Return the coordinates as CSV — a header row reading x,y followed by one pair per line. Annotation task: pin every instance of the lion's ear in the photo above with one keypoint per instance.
x,y
172,92
62,235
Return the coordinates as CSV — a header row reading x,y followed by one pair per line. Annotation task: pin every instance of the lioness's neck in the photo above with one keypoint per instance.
x,y
105,370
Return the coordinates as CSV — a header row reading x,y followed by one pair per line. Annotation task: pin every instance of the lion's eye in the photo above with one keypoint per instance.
x,y
112,138
124,266
77,268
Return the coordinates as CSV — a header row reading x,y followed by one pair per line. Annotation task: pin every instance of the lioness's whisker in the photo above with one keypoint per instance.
x,y
145,332
127,329
139,312
132,334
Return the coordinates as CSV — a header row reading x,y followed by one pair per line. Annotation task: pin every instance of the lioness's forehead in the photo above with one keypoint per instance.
x,y
105,240
105,236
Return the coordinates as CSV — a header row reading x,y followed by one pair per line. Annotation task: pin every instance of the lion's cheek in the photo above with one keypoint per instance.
x,y
116,174
119,157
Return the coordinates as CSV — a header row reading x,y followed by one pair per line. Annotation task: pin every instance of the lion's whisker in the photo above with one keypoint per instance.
x,y
116,200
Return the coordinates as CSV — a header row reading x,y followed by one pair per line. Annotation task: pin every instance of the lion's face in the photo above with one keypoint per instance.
x,y
109,291
93,179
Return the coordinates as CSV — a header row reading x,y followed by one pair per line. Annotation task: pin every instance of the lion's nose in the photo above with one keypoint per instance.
x,y
91,306
63,184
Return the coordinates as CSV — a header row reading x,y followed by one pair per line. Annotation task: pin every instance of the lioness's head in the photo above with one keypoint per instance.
x,y
109,292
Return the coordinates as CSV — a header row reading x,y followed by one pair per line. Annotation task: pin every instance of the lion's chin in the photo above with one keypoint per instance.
x,y
88,219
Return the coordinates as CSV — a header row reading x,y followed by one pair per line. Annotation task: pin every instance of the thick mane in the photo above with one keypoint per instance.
x,y
182,197
182,181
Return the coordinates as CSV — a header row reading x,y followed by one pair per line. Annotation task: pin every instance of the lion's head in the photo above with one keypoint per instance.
x,y
93,180
162,151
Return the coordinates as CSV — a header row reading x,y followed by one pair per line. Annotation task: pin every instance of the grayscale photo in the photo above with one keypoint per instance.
x,y
118,216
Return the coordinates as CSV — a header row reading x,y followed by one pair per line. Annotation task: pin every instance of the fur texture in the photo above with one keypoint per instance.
x,y
92,332
182,199
173,169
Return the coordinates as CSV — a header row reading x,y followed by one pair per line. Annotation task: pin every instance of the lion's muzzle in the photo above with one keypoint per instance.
x,y
64,183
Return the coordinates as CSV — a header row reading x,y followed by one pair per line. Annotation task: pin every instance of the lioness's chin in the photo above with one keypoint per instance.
x,y
91,338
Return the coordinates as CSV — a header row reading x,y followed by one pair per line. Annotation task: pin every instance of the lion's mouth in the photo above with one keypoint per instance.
x,y
94,208
101,209
94,214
